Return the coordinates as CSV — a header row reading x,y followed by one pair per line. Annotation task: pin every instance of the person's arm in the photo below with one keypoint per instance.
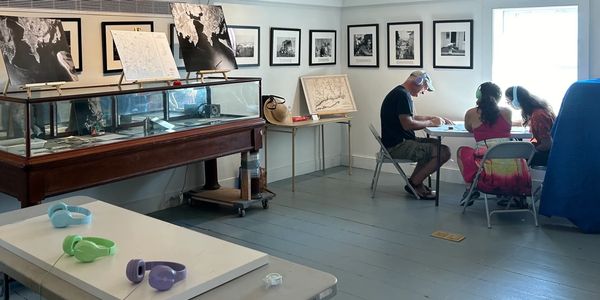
x,y
469,120
411,123
442,120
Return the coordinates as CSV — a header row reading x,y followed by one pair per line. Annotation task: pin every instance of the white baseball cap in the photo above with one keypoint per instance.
x,y
421,78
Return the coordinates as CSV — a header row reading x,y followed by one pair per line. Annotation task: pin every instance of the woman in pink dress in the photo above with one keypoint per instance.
x,y
490,125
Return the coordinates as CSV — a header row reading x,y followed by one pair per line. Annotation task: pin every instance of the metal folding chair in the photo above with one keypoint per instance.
x,y
383,156
507,150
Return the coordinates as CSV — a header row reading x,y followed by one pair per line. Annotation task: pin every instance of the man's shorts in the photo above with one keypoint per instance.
x,y
419,150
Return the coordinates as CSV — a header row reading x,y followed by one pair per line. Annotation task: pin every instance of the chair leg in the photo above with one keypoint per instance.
x,y
534,211
487,211
407,181
375,173
376,178
5,287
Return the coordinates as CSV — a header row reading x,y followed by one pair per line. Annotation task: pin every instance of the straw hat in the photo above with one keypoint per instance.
x,y
276,112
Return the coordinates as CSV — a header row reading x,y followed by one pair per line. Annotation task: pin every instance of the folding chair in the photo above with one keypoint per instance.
x,y
383,156
507,150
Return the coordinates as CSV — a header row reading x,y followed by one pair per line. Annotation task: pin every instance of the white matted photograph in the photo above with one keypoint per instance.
x,y
72,28
175,48
322,46
363,41
111,61
405,44
246,44
285,47
453,44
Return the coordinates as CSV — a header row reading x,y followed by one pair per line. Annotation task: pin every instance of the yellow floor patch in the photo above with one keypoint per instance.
x,y
455,237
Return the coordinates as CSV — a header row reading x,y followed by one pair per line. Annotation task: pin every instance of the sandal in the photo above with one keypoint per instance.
x,y
430,195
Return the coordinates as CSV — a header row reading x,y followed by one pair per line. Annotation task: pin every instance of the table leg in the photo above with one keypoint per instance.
x,y
429,177
266,169
437,173
322,148
349,150
293,159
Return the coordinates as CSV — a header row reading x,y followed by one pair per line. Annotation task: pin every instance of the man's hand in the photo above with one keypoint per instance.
x,y
447,121
436,121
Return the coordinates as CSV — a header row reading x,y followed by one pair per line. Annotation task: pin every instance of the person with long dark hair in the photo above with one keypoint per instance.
x,y
490,125
536,114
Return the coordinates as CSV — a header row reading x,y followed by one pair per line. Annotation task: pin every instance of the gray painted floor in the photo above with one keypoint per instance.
x,y
381,248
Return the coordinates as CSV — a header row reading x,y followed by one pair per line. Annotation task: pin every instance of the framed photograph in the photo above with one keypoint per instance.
x,y
285,47
363,41
246,44
453,44
72,28
174,43
322,47
405,44
328,94
110,56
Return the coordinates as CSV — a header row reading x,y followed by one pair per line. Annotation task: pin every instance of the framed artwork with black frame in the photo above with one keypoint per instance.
x,y
322,47
285,47
246,44
110,57
453,44
174,43
363,49
72,28
405,44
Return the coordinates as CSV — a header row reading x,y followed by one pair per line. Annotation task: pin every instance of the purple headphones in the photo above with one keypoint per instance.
x,y
163,274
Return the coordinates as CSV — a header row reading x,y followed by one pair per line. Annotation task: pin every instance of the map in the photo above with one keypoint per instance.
x,y
144,55
203,37
35,50
328,94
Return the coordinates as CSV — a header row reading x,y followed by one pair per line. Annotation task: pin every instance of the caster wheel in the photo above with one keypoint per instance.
x,y
265,204
241,212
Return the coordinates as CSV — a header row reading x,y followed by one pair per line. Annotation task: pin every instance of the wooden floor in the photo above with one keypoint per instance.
x,y
381,248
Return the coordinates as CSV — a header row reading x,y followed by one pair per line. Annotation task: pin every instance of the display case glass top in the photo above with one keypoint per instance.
x,y
49,122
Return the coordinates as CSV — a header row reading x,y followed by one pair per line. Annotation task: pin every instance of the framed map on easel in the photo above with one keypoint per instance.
x,y
328,94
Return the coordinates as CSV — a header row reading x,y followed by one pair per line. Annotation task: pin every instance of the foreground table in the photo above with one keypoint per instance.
x,y
299,282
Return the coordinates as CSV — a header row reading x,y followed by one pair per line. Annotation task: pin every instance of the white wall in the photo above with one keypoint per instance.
x,y
455,88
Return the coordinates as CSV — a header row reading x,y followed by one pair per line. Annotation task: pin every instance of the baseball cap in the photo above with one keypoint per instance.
x,y
422,77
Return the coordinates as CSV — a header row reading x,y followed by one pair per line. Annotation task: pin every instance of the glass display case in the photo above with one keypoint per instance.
x,y
49,123
52,143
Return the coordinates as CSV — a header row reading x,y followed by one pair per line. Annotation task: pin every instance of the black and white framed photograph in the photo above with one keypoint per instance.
x,y
363,41
405,44
285,47
322,47
35,50
203,37
110,56
453,44
175,48
246,44
72,28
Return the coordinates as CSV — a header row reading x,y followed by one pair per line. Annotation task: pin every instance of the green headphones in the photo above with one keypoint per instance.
x,y
87,249
478,93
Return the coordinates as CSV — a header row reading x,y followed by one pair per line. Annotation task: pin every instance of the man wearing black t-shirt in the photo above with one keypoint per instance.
x,y
398,125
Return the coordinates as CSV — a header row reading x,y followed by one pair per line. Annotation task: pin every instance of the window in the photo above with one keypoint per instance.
x,y
536,47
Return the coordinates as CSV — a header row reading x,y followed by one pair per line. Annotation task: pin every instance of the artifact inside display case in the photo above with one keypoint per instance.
x,y
99,115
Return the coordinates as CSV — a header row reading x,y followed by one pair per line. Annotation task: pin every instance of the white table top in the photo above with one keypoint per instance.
x,y
458,130
210,261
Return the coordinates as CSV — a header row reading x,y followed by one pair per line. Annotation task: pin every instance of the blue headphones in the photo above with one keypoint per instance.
x,y
515,100
61,215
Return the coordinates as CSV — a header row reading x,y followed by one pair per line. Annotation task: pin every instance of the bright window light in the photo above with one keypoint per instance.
x,y
536,47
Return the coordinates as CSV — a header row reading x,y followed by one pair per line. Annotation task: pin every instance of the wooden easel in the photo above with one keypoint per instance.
x,y
140,83
30,86
202,73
